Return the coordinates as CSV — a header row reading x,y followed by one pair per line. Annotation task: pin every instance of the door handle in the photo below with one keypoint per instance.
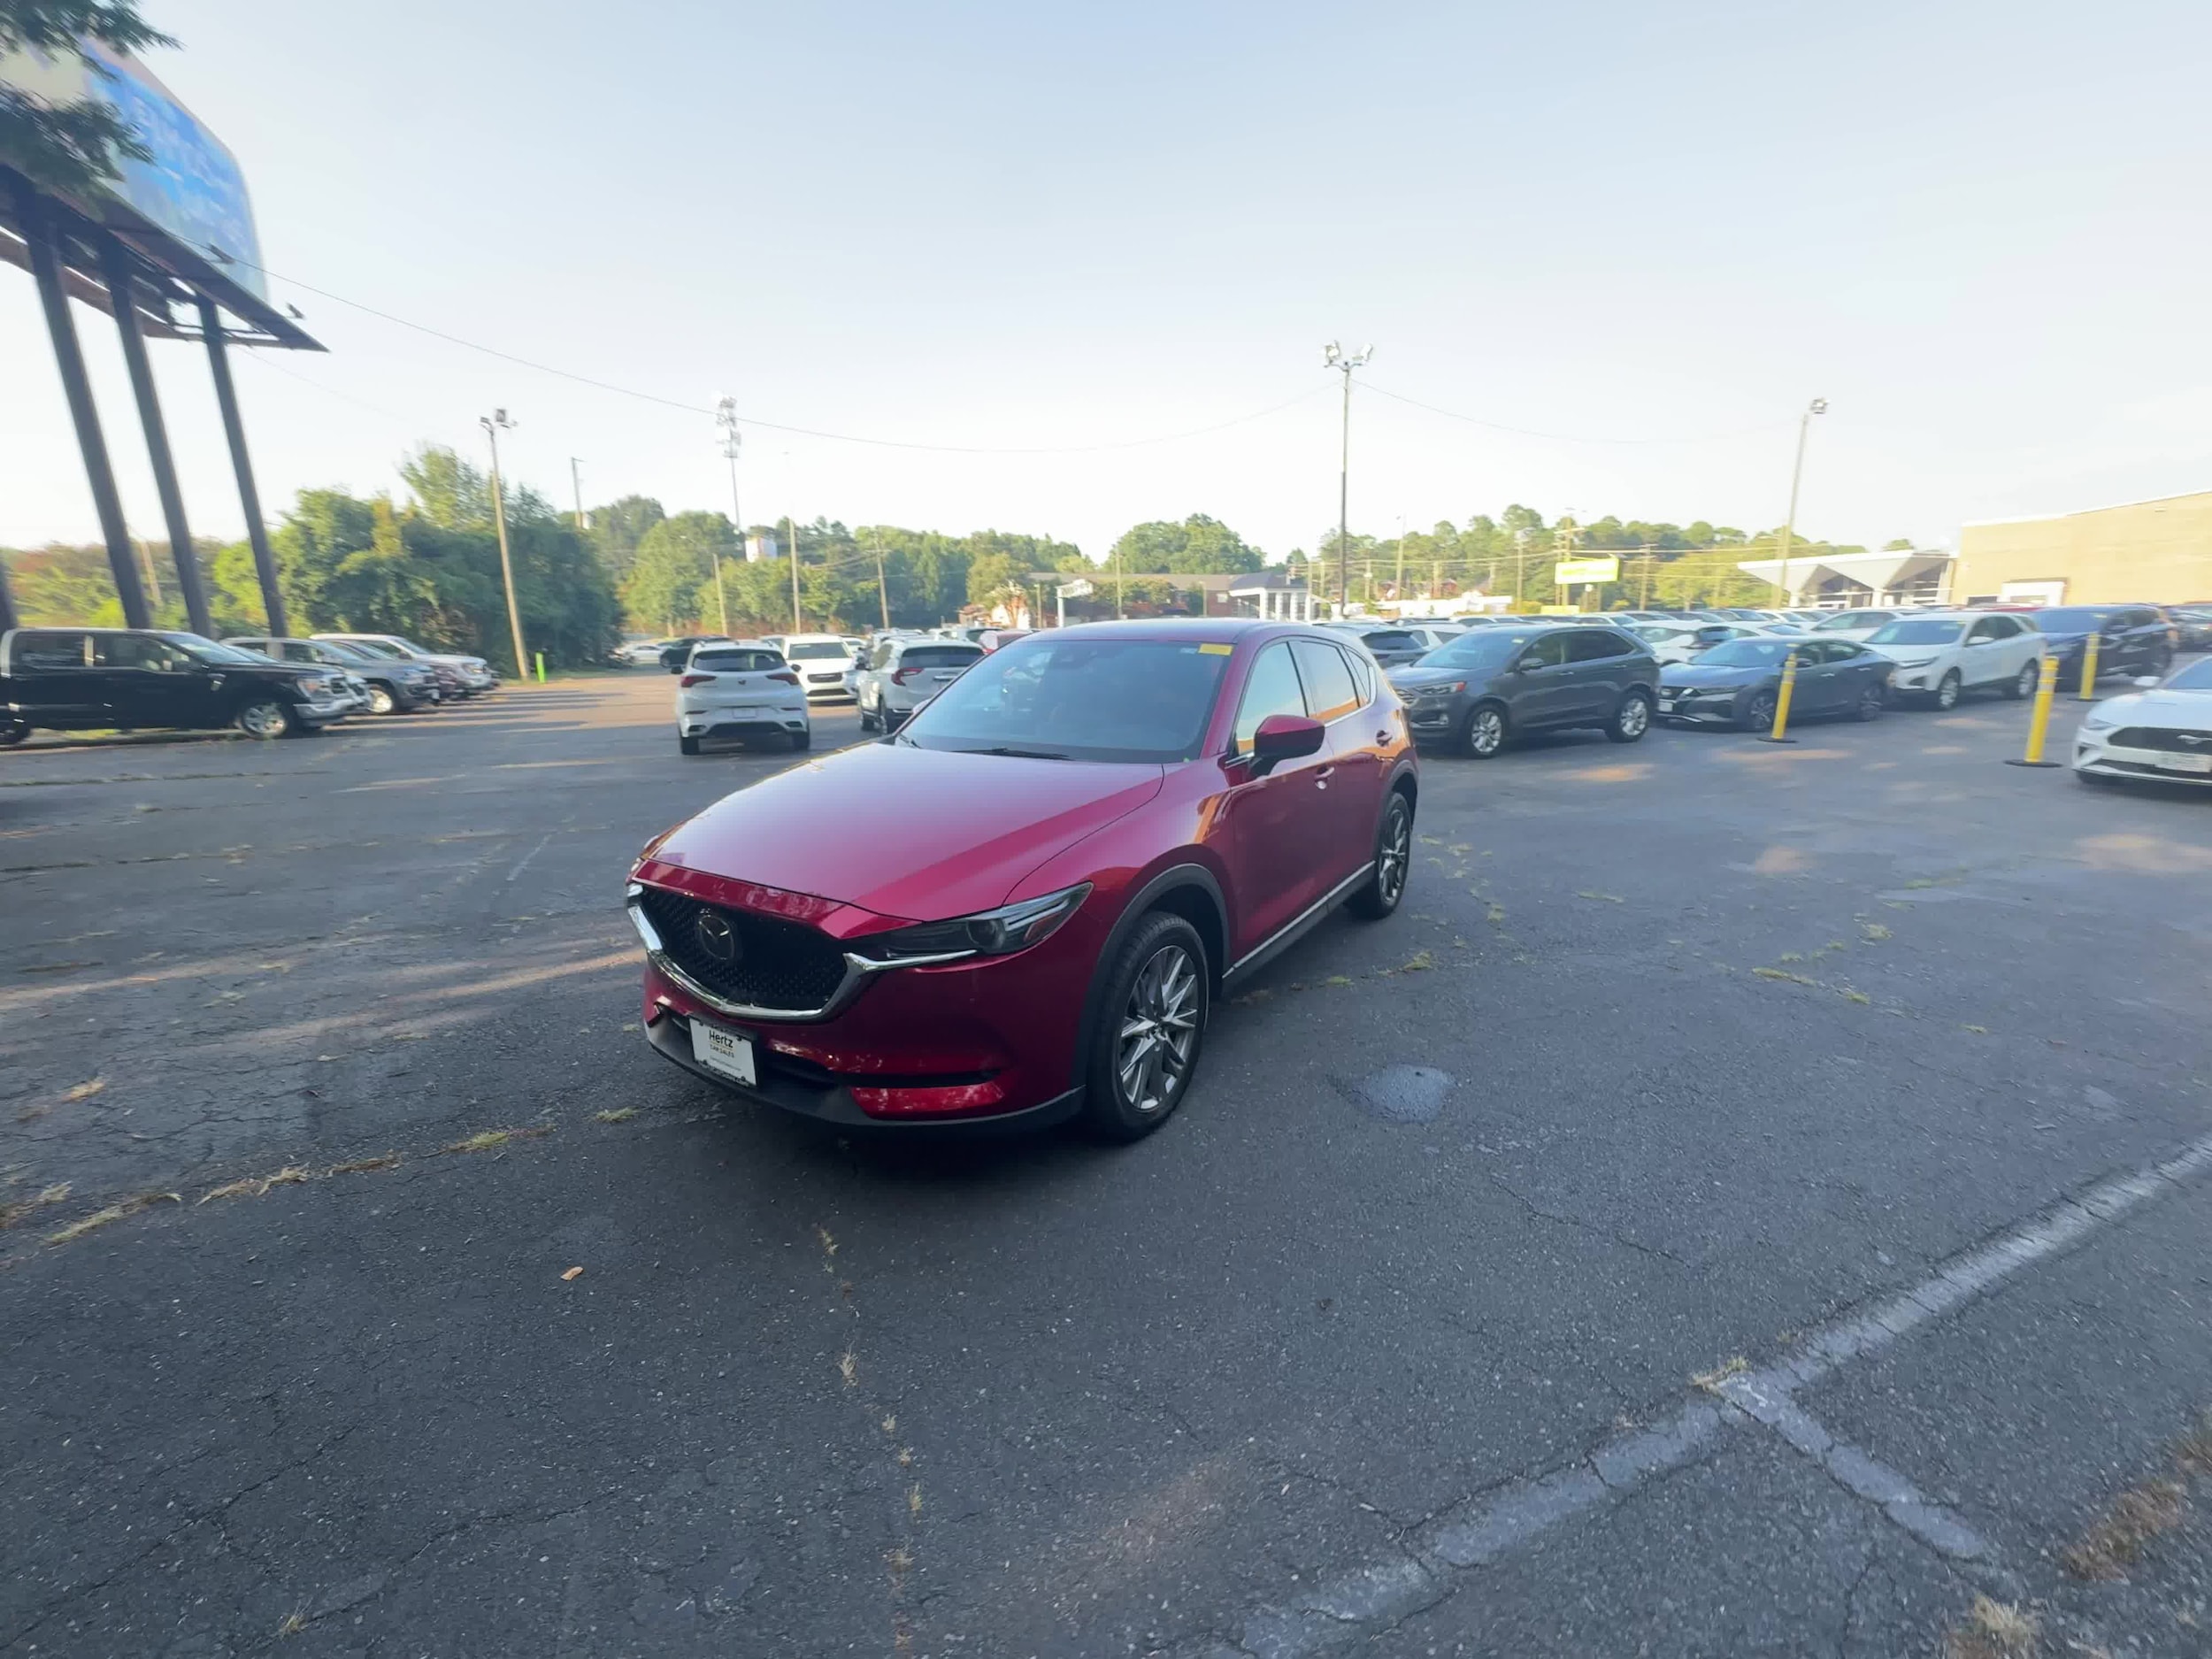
x,y
1382,737
1322,774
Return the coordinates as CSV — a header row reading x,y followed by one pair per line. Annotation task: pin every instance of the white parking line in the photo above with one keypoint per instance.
x,y
1358,1604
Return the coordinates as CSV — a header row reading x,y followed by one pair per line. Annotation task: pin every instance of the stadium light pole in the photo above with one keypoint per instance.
x,y
492,425
1332,356
1818,406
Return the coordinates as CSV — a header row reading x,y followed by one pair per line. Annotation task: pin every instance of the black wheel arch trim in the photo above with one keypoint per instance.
x,y
1175,878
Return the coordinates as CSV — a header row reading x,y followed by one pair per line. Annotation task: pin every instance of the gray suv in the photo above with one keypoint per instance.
x,y
1490,683
900,674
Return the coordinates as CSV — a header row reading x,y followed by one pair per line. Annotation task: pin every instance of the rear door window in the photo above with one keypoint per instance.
x,y
1331,694
736,662
1546,650
45,650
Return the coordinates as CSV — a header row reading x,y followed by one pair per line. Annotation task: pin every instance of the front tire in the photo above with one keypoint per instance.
x,y
1631,719
264,719
1871,703
687,745
1483,733
1758,715
1151,1028
1379,896
1946,691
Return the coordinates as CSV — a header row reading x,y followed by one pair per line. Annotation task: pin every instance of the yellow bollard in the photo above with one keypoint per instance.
x,y
2089,668
2046,688
1782,701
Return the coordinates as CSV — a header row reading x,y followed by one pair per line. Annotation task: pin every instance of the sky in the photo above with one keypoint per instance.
x,y
1624,245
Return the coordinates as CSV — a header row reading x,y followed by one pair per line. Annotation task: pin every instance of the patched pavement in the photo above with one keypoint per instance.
x,y
1677,1052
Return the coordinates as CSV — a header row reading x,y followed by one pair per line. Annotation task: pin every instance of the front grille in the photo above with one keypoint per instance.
x,y
2159,737
779,964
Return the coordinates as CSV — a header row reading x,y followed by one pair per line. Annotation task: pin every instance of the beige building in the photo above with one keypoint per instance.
x,y
2159,551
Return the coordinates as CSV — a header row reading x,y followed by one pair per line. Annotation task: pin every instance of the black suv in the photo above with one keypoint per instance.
x,y
1491,683
136,679
2130,639
395,686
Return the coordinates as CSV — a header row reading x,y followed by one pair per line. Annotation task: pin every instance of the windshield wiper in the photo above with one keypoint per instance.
x,y
1022,754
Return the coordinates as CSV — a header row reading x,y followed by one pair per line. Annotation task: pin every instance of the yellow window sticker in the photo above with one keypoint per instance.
x,y
1215,651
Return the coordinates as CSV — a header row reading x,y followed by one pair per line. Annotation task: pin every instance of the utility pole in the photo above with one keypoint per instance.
x,y
1520,562
492,424
883,593
576,483
1818,406
797,626
1398,586
1332,356
725,418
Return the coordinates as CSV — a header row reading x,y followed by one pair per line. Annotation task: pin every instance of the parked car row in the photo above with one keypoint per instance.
x,y
149,679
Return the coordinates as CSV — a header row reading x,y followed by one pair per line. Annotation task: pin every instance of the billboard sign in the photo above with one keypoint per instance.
x,y
192,189
1570,571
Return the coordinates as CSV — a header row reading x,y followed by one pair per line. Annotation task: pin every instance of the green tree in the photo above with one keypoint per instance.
x,y
73,146
671,583
1199,546
447,490
618,527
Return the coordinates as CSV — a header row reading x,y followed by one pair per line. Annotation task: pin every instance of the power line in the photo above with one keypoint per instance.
x,y
1563,437
771,426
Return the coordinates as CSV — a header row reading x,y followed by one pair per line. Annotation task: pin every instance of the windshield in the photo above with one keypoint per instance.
x,y
205,650
1746,654
1925,632
1851,620
1487,647
1115,700
812,650
373,647
2196,676
1657,633
2070,620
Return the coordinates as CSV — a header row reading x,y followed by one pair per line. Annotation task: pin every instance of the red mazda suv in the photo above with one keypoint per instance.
x,y
1022,907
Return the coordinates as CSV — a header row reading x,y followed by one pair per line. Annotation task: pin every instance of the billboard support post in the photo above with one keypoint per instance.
x,y
122,297
38,228
241,462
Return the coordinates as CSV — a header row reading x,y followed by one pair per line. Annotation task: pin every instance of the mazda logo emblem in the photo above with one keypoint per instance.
x,y
715,935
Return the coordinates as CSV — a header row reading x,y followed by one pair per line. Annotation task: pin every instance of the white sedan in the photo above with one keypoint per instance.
x,y
1942,655
1686,642
2162,731
739,688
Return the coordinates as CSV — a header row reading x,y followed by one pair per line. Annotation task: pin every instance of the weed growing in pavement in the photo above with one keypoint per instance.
x,y
2136,1517
116,1211
1712,1380
619,1115
1994,1629
45,1198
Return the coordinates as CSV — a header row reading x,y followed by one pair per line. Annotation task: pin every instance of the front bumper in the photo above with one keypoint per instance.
x,y
982,1039
322,711
828,688
1701,705
2092,753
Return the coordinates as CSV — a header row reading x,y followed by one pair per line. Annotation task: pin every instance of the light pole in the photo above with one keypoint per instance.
x,y
576,485
1332,356
725,418
1818,406
492,425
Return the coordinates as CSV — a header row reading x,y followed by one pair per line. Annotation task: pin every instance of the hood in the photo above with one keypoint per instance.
x,y
1410,678
1900,652
917,834
2188,709
1697,673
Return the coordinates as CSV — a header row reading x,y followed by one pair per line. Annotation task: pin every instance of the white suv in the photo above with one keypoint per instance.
x,y
738,689
820,661
1942,655
902,674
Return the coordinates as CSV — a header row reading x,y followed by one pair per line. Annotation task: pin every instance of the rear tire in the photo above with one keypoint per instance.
x,y
2022,684
802,742
869,720
13,732
1483,734
1378,897
1159,988
1630,720
689,745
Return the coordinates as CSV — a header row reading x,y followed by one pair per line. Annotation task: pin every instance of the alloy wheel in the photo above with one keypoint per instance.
x,y
1635,716
1159,1032
1760,716
262,719
1396,856
1486,733
1947,694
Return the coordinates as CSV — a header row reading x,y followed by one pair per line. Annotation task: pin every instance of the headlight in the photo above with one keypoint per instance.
x,y
1914,662
998,933
2100,721
1425,694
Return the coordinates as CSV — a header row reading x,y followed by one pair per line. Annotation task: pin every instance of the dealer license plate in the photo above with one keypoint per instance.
x,y
1666,705
724,1052
2187,763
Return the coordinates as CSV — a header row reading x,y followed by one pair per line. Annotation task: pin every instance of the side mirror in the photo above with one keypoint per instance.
x,y
1283,737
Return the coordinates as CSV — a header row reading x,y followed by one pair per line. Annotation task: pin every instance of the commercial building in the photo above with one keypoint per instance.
x,y
1900,576
2155,550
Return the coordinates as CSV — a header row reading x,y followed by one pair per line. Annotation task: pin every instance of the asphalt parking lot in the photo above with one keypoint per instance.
x,y
1865,1079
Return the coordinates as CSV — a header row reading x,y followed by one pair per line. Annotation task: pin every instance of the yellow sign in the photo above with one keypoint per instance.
x,y
1215,651
1605,570
1559,611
